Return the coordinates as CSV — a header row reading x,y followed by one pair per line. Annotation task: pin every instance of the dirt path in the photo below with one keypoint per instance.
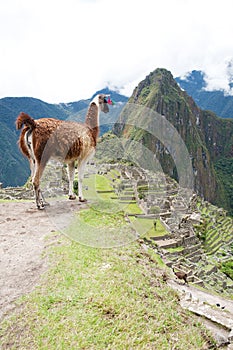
x,y
23,229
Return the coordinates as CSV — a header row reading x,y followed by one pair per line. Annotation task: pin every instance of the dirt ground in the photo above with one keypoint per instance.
x,y
23,229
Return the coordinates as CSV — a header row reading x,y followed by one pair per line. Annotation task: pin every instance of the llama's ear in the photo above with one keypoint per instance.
x,y
93,104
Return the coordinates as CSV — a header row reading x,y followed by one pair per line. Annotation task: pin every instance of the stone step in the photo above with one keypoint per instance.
x,y
167,243
214,248
160,238
107,191
207,311
127,198
192,248
195,256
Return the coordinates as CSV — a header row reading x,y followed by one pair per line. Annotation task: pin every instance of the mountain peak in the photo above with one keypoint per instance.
x,y
158,82
201,131
115,95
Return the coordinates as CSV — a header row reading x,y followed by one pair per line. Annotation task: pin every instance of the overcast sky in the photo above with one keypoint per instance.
x,y
65,50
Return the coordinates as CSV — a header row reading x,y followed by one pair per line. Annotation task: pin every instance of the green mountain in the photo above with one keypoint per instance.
x,y
207,138
14,168
217,100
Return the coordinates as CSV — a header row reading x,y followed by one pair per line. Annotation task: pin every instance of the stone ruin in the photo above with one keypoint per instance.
x,y
180,212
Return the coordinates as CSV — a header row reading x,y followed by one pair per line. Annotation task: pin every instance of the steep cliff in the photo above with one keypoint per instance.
x,y
208,139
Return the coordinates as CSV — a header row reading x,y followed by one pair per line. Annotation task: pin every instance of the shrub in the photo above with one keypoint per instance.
x,y
227,268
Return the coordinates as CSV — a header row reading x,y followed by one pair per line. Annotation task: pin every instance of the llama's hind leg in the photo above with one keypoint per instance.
x,y
71,173
40,201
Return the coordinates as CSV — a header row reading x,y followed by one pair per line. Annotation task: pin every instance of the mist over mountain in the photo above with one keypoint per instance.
x,y
217,101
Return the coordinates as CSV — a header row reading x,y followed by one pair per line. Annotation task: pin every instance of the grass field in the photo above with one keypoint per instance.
x,y
102,299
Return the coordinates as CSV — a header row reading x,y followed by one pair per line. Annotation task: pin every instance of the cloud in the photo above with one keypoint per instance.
x,y
61,51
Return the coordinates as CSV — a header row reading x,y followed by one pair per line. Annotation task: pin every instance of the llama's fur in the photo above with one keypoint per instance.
x,y
66,141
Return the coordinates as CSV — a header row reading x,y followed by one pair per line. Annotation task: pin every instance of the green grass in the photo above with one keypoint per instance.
x,y
102,225
133,208
175,250
102,299
227,268
97,183
145,227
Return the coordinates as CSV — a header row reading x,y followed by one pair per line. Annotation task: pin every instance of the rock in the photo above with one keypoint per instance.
x,y
188,297
230,336
195,217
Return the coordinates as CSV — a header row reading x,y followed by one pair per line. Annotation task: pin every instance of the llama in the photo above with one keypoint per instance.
x,y
65,141
181,275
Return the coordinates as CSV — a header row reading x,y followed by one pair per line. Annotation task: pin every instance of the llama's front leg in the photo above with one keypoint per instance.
x,y
81,170
71,173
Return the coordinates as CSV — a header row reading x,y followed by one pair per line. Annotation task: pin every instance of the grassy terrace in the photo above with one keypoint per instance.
x,y
214,233
145,227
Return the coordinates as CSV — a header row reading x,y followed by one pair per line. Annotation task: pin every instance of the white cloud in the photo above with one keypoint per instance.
x,y
65,50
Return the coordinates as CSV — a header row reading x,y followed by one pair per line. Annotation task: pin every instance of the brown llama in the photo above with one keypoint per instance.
x,y
181,275
65,141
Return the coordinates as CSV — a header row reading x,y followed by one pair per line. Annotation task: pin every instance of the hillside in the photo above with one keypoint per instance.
x,y
12,161
216,101
120,297
203,133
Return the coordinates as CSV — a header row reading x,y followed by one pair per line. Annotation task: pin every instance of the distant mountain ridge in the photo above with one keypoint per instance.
x,y
216,101
14,168
208,138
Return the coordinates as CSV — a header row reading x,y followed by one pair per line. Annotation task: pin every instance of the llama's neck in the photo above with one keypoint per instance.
x,y
92,119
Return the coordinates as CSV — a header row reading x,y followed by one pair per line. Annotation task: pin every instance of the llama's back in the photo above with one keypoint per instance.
x,y
70,141
54,138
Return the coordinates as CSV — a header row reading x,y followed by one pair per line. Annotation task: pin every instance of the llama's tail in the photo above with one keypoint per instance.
x,y
25,119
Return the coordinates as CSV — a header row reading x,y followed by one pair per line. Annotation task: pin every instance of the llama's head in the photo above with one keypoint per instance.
x,y
102,102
